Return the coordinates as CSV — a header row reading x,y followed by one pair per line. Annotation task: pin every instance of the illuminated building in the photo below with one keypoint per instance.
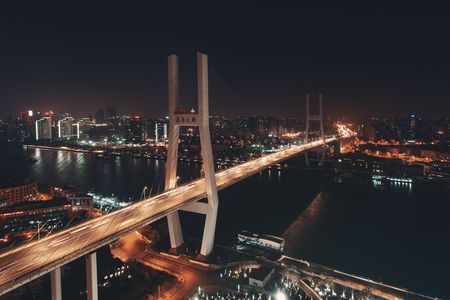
x,y
81,201
412,129
26,116
77,198
134,130
258,124
160,132
13,190
43,129
64,191
35,210
68,128
261,276
85,125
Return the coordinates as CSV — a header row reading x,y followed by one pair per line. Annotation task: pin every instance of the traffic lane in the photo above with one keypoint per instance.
x,y
125,214
165,202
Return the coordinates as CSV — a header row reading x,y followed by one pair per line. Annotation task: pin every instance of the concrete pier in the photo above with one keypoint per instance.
x,y
91,276
55,276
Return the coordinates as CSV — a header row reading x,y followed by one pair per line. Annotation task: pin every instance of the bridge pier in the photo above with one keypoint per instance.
x,y
91,276
200,119
56,288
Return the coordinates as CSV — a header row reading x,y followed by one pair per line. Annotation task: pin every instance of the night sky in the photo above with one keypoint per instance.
x,y
264,56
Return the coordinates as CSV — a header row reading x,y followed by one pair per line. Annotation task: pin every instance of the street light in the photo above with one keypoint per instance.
x,y
39,228
143,192
280,296
39,231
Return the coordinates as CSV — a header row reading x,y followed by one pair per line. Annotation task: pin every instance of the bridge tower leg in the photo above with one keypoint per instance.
x,y
307,128
55,276
207,155
173,219
200,119
91,276
318,118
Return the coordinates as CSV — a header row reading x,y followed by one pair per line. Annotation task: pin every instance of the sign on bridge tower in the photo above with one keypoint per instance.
x,y
318,118
200,119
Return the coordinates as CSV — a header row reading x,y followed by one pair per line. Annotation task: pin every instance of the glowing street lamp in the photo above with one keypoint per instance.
x,y
280,296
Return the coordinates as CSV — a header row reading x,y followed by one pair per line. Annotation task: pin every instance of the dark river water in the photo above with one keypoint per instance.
x,y
398,235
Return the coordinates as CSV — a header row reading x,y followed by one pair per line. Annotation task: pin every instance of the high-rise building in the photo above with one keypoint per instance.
x,y
68,128
85,124
26,116
272,124
110,113
134,130
160,131
3,131
43,129
99,116
258,124
412,127
18,130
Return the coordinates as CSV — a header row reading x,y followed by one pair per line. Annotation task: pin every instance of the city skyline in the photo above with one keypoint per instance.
x,y
263,58
253,150
90,114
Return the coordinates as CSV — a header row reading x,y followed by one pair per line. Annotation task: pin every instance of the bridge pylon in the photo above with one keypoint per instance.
x,y
318,118
200,119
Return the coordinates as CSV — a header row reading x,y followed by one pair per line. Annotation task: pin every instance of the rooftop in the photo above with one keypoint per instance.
x,y
261,273
32,205
11,181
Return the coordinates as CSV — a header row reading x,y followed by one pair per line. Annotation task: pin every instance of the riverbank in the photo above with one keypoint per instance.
x,y
389,235
63,148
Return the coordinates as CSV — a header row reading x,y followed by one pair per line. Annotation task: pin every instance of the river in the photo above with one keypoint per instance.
x,y
399,236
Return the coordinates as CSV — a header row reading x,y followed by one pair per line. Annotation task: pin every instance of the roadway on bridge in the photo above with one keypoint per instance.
x,y
29,261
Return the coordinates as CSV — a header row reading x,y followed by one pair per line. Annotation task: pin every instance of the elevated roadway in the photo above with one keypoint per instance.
x,y
36,258
377,289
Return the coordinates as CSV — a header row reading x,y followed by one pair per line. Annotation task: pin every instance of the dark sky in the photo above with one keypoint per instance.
x,y
264,56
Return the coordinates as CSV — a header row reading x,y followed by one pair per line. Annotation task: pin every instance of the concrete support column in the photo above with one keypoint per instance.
x,y
91,276
318,118
55,276
307,129
175,232
307,119
173,82
322,131
207,155
211,192
173,219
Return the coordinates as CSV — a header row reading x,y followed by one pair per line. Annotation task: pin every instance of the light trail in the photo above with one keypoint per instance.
x,y
27,262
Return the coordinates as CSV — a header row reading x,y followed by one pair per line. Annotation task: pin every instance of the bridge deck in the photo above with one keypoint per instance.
x,y
29,261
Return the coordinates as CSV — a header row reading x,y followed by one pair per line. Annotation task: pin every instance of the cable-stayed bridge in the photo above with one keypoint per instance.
x,y
39,257
36,258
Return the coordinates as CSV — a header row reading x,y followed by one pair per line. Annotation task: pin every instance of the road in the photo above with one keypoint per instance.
x,y
190,276
352,281
29,261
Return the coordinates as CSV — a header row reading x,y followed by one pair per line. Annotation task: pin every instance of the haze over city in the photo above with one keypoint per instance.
x,y
264,56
